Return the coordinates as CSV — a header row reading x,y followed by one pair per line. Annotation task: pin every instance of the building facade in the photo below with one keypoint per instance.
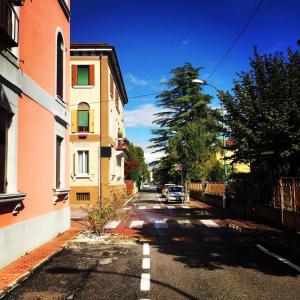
x,y
98,97
34,116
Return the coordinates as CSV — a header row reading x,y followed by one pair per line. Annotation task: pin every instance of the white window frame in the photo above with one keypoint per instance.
x,y
59,30
60,131
82,175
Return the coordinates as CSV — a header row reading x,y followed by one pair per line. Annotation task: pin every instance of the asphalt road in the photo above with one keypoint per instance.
x,y
181,252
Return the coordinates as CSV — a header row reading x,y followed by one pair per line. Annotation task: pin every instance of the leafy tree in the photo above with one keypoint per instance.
x,y
263,113
135,165
188,126
192,147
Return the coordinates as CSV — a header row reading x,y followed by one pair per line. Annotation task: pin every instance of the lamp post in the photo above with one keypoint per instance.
x,y
181,175
202,83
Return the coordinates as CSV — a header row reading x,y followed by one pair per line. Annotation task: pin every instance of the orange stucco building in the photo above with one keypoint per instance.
x,y
34,114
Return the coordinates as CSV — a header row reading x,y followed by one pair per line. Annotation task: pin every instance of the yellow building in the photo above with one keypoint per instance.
x,y
97,102
237,167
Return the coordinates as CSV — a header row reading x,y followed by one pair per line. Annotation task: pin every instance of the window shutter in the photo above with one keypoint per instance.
x,y
74,126
74,75
74,164
111,89
92,75
117,99
91,121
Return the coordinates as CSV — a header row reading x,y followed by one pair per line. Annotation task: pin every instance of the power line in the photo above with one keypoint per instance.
x,y
134,97
235,40
140,96
219,63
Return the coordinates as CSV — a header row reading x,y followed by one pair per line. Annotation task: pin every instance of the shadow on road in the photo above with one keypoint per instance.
x,y
212,248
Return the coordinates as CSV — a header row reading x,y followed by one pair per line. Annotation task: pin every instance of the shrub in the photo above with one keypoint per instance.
x,y
99,217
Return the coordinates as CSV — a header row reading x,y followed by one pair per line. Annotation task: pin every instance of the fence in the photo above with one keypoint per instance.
x,y
261,198
214,188
287,195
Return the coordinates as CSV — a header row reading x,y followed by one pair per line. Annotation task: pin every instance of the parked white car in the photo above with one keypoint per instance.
x,y
175,193
165,189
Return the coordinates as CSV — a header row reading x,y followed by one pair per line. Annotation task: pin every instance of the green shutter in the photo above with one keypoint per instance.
x,y
83,118
83,75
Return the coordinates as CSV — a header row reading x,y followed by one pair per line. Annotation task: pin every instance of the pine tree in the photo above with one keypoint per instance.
x,y
188,125
182,103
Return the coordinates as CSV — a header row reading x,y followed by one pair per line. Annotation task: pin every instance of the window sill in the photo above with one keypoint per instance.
x,y
82,176
60,101
82,86
12,197
61,194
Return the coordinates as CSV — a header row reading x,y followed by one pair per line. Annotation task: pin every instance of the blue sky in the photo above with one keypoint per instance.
x,y
153,36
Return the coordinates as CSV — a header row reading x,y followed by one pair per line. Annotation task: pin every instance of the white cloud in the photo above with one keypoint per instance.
x,y
149,156
135,80
163,79
185,42
141,116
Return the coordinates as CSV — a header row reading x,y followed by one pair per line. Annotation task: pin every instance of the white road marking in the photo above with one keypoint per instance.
x,y
146,263
136,224
159,199
142,207
145,282
156,207
285,261
159,224
185,206
170,207
209,223
112,224
185,223
146,249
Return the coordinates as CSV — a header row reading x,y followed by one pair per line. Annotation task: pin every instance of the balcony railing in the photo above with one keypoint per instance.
x,y
9,25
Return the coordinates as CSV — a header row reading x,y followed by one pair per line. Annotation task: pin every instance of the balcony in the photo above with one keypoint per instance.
x,y
9,25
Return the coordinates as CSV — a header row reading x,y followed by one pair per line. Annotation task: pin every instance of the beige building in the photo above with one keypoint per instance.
x,y
97,102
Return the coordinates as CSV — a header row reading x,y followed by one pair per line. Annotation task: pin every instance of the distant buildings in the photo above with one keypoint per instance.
x,y
34,116
98,97
234,168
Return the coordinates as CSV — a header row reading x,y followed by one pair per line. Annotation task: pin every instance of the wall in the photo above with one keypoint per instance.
x,y
36,115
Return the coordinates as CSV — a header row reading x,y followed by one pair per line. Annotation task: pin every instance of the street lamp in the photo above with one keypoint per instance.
x,y
202,83
181,175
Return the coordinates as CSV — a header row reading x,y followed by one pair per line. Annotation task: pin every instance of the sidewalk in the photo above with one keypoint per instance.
x,y
264,232
22,267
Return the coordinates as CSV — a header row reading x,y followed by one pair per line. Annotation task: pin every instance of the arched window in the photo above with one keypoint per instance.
x,y
83,117
60,66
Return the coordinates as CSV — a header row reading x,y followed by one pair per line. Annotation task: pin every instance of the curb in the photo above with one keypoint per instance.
x,y
128,200
11,286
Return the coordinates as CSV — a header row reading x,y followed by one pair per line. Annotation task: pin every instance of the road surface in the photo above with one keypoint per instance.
x,y
180,252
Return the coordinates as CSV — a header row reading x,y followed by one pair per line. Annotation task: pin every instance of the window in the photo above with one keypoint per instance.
x,y
83,162
83,75
3,149
58,161
9,25
60,66
117,98
111,86
83,117
83,196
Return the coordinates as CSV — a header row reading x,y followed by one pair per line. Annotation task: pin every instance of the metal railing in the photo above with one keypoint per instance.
x,y
9,25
